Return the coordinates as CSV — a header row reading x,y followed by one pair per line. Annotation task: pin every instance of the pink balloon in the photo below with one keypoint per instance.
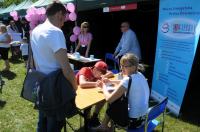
x,y
72,16
13,14
41,10
27,17
42,17
73,38
31,10
15,18
70,7
76,30
38,11
35,18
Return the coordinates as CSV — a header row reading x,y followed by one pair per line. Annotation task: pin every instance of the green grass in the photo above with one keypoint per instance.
x,y
18,115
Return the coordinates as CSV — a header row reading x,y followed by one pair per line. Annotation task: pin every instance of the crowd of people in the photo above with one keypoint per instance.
x,y
48,45
14,32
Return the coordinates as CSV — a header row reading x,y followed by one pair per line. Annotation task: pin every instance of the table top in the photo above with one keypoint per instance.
x,y
87,97
82,58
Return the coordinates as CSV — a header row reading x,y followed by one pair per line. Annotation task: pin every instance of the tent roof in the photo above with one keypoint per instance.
x,y
88,4
24,5
8,9
37,3
44,3
67,1
47,2
82,5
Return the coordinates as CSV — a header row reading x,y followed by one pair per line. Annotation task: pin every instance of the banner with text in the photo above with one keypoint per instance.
x,y
178,35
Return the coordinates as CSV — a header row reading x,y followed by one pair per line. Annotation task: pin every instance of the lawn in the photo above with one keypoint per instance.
x,y
18,115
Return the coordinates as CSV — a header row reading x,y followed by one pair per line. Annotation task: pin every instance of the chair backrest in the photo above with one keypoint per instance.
x,y
110,57
156,110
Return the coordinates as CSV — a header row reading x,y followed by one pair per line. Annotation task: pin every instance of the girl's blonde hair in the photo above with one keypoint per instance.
x,y
132,60
85,24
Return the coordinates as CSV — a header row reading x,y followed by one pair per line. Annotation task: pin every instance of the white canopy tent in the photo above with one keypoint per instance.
x,y
24,5
8,9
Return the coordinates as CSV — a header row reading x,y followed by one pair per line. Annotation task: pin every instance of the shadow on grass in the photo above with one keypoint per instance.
x,y
15,60
191,118
2,104
8,74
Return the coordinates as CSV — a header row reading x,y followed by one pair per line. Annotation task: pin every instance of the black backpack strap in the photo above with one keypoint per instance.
x,y
129,85
31,64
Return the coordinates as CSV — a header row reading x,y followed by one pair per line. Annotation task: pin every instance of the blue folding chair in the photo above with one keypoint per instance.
x,y
115,65
151,121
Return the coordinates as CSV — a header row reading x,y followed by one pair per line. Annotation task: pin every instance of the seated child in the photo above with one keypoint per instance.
x,y
90,77
24,50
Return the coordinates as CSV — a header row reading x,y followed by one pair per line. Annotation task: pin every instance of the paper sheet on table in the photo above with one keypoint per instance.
x,y
82,58
109,87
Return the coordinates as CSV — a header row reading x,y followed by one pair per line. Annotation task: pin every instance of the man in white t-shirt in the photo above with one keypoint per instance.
x,y
50,53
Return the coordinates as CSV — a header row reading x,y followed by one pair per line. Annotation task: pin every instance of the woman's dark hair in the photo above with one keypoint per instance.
x,y
55,7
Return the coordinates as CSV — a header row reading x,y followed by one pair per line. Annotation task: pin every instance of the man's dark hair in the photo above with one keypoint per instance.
x,y
55,7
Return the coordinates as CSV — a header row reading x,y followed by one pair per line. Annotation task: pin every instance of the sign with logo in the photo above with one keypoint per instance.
x,y
178,35
120,8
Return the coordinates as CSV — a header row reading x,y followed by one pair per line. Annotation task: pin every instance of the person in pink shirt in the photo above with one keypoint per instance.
x,y
84,40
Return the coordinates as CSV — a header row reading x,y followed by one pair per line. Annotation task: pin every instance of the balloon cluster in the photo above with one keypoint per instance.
x,y
35,16
14,15
76,31
71,15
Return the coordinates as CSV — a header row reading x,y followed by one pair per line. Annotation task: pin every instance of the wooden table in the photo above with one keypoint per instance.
x,y
82,62
85,99
88,97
